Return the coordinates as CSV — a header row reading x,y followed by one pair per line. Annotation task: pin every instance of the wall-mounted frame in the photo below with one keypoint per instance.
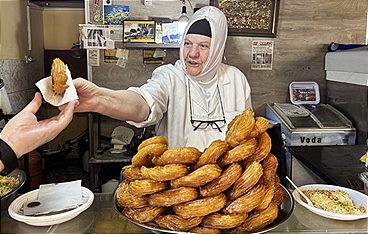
x,y
254,18
139,31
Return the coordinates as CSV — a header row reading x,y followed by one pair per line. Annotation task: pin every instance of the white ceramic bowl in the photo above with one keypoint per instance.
x,y
45,220
357,197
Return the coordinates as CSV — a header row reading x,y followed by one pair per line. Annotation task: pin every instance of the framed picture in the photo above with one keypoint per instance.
x,y
254,18
139,31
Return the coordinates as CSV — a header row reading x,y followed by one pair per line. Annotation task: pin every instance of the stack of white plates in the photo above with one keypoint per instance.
x,y
15,209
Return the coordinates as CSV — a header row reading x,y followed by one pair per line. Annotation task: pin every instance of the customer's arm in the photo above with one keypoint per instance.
x,y
24,133
119,104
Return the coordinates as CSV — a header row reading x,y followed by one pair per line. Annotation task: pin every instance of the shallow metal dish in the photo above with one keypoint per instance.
x,y
8,198
287,208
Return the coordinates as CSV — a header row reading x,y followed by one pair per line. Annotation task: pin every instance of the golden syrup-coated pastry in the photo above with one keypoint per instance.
x,y
58,77
143,215
164,173
146,187
200,207
259,220
198,177
177,223
261,124
212,153
239,153
247,180
263,148
180,155
152,140
132,173
254,133
270,191
205,230
223,182
224,221
144,156
126,199
240,128
248,201
278,194
174,196
269,165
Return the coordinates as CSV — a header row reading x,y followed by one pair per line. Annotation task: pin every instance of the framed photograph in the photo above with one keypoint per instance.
x,y
139,31
115,15
254,18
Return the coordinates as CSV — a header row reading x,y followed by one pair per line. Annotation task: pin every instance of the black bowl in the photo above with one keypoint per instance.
x,y
8,198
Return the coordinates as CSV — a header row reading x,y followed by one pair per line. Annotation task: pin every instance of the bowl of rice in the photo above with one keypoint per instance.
x,y
9,186
334,202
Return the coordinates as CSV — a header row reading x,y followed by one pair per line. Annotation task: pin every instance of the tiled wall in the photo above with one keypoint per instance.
x,y
19,79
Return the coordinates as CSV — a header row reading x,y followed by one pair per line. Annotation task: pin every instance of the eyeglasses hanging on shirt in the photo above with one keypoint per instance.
x,y
203,124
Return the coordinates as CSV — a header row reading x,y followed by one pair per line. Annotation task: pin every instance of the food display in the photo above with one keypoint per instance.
x,y
8,184
59,77
335,201
230,187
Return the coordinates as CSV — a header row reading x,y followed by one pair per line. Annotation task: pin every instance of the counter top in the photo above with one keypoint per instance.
x,y
102,217
337,165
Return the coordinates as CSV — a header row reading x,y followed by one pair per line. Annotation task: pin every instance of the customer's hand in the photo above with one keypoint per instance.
x,y
24,133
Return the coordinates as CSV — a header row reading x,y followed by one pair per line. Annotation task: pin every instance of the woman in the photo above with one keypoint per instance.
x,y
190,102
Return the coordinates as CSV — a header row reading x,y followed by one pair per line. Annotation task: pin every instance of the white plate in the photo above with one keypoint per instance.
x,y
357,197
46,220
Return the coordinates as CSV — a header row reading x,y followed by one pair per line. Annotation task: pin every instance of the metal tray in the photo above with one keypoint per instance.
x,y
8,198
287,208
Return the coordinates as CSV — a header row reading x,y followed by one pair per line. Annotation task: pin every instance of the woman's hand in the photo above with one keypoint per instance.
x,y
24,133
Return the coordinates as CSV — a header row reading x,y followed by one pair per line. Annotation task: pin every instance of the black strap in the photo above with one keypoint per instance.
x,y
8,158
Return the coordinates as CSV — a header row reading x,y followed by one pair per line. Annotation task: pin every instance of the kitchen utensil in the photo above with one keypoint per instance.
x,y
300,191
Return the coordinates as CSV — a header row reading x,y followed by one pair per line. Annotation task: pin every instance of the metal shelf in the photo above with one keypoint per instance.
x,y
107,157
146,45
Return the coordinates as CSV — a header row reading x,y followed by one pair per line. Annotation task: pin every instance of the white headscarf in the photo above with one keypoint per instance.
x,y
218,24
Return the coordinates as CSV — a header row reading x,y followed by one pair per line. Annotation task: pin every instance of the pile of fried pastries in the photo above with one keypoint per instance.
x,y
232,187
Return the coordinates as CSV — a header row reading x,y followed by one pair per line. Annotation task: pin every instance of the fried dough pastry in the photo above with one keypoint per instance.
x,y
152,140
180,155
212,153
278,194
143,215
270,191
200,207
144,156
198,177
164,173
173,196
132,173
220,184
259,220
269,165
146,187
263,148
261,124
240,152
125,199
248,201
205,230
177,223
247,180
224,221
58,77
240,127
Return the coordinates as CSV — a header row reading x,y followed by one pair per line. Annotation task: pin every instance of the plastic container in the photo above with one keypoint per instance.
x,y
304,93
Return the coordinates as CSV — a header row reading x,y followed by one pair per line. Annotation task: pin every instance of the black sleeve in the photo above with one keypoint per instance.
x,y
8,157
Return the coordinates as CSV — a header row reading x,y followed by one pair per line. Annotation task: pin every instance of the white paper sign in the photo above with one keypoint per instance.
x,y
262,55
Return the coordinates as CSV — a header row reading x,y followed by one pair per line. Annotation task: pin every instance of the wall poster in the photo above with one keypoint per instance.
x,y
262,54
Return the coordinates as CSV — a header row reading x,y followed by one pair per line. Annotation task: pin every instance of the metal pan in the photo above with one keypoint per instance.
x,y
287,208
8,198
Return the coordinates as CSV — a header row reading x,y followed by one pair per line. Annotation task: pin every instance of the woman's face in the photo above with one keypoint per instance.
x,y
196,51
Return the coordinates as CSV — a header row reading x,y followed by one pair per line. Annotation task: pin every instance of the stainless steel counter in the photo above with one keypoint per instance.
x,y
101,217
